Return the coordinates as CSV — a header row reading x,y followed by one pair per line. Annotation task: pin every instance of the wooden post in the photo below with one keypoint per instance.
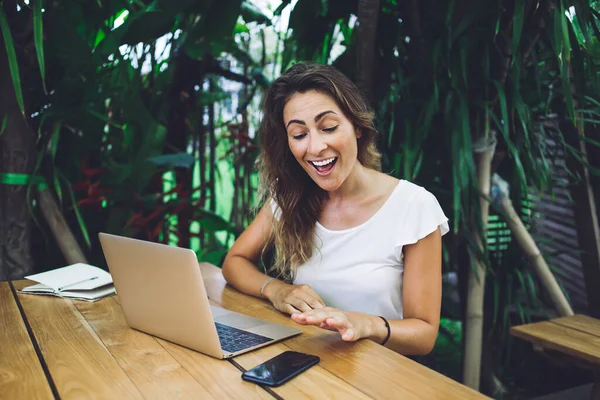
x,y
533,253
62,233
476,283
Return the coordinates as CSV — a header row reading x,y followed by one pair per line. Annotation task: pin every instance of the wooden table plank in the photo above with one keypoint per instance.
x,y
79,363
381,372
220,377
561,338
581,323
372,369
315,383
151,368
21,374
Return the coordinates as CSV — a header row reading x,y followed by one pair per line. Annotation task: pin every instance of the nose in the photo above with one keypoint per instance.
x,y
316,144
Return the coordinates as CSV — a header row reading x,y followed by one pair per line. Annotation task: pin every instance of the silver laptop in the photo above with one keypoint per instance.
x,y
162,293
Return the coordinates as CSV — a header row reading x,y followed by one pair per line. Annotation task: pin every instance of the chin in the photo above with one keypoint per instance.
x,y
326,183
328,187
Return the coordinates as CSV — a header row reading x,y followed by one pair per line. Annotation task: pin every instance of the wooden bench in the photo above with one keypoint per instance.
x,y
575,338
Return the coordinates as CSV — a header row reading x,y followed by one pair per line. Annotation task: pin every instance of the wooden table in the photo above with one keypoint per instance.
x,y
575,338
58,348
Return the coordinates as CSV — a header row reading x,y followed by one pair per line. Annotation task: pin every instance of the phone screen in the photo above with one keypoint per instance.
x,y
281,368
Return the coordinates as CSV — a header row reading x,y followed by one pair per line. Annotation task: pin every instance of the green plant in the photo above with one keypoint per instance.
x,y
128,113
451,73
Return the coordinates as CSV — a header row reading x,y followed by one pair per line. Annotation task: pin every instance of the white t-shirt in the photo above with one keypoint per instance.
x,y
361,268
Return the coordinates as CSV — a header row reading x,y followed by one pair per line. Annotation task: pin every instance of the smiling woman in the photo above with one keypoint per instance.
x,y
321,143
354,247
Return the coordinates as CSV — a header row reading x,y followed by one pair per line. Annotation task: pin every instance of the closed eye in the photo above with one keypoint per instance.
x,y
333,128
299,137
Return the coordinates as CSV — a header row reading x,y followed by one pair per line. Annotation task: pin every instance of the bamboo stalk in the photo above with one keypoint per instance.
x,y
212,144
476,283
533,253
60,229
234,146
201,154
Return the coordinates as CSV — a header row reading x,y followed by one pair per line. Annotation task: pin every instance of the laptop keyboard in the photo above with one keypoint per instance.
x,y
233,339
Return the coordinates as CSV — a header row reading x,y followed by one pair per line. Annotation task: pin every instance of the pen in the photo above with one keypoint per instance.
x,y
76,283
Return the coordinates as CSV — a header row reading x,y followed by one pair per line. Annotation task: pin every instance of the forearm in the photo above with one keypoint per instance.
x,y
242,274
409,336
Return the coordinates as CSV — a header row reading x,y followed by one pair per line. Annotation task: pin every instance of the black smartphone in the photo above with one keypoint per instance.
x,y
280,369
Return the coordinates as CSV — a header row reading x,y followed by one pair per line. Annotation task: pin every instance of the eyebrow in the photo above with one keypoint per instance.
x,y
317,118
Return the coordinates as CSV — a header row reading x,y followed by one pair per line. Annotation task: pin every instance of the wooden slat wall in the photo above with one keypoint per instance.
x,y
554,228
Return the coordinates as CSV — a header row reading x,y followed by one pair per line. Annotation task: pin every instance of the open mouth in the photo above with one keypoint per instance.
x,y
324,166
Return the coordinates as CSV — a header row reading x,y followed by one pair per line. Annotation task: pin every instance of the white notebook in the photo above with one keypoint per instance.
x,y
77,281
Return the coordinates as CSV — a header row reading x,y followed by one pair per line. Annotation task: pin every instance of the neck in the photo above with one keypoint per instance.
x,y
358,182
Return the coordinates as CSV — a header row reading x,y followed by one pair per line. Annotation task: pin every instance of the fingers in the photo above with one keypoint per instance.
x,y
314,300
303,298
308,295
324,316
348,335
300,304
297,318
331,319
290,309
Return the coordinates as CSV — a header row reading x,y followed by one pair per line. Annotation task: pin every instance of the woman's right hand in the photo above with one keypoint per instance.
x,y
292,299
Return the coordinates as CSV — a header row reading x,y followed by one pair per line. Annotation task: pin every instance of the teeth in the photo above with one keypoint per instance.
x,y
324,162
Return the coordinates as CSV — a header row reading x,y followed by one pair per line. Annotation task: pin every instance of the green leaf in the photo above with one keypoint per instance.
x,y
503,126
518,19
240,28
521,313
463,61
80,220
251,13
99,38
568,91
280,8
593,23
173,160
565,35
304,16
54,139
557,42
175,7
465,22
38,37
214,257
128,134
214,34
57,187
4,124
12,59
104,118
521,279
532,291
324,8
146,27
213,222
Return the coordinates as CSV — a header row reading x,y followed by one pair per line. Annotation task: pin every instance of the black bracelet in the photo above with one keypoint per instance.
x,y
387,325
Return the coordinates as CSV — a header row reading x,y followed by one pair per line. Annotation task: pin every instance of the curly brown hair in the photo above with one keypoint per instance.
x,y
298,197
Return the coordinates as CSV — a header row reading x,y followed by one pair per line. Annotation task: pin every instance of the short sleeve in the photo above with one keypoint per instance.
x,y
422,217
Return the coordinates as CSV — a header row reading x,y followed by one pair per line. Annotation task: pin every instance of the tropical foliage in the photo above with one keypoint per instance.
x,y
143,116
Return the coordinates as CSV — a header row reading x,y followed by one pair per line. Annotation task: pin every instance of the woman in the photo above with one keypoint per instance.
x,y
356,251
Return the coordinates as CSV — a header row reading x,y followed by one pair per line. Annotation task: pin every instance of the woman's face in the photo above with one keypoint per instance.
x,y
321,138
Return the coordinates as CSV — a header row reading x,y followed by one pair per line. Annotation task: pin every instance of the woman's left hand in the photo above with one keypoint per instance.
x,y
351,325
